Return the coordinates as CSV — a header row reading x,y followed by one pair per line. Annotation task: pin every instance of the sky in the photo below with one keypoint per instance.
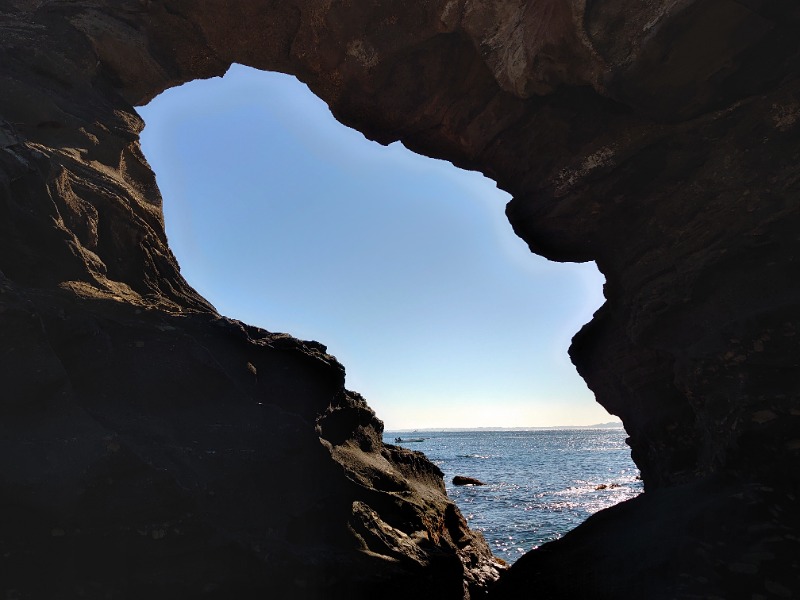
x,y
404,266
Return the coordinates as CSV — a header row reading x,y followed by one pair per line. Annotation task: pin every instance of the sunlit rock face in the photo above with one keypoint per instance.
x,y
659,139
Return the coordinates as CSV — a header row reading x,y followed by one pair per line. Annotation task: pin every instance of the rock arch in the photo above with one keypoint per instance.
x,y
660,141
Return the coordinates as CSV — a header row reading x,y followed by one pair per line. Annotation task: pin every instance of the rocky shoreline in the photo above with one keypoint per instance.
x,y
162,455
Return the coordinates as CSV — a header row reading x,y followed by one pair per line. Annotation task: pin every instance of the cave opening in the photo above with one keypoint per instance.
x,y
404,266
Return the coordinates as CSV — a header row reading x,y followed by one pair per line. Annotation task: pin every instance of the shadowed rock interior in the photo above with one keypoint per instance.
x,y
153,447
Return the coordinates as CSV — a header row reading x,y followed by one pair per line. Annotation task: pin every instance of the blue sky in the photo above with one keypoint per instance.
x,y
404,266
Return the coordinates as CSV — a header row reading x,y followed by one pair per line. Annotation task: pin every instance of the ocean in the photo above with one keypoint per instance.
x,y
540,483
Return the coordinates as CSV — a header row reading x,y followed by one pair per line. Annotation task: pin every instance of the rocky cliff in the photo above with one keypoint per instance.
x,y
146,439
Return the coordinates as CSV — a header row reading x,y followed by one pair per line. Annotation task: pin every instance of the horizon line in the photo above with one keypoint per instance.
x,y
608,425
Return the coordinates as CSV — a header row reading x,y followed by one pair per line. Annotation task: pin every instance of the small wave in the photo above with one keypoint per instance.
x,y
480,456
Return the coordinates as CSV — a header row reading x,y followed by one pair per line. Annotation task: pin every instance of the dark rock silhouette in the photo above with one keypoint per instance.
x,y
145,439
463,480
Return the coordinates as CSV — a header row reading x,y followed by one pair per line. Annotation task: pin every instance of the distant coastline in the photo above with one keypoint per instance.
x,y
609,425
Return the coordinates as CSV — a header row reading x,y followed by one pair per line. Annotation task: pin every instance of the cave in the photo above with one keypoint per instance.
x,y
153,447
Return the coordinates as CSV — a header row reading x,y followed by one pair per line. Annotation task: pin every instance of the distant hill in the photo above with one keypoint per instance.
x,y
609,425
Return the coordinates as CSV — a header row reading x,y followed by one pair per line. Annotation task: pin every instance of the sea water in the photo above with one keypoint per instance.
x,y
540,483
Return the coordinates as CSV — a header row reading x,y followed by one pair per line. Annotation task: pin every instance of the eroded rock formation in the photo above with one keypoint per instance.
x,y
658,138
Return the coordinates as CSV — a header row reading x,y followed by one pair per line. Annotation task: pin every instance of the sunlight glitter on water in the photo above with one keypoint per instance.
x,y
539,483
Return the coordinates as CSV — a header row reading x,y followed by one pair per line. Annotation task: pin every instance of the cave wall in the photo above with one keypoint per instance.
x,y
659,139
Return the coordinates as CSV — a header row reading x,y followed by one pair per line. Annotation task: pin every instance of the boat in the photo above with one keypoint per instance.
x,y
409,440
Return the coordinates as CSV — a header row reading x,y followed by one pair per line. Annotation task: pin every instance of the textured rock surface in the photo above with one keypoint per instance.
x,y
149,447
658,138
151,454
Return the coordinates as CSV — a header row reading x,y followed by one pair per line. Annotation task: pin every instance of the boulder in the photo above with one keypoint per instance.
x,y
462,480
